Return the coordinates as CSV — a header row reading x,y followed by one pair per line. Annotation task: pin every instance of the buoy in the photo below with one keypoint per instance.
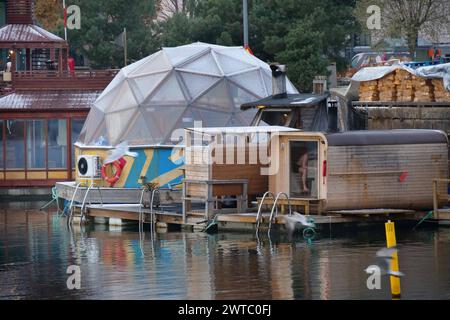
x,y
391,241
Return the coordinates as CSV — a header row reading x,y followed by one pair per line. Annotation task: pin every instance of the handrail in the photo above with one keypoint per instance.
x,y
42,74
275,208
259,214
152,215
69,218
436,198
83,204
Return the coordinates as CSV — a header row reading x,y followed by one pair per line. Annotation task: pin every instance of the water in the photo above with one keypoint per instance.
x,y
37,247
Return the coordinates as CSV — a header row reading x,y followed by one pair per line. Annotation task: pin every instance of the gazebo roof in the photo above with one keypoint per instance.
x,y
49,101
28,35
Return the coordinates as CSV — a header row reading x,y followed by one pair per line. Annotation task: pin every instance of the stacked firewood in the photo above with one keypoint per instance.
x,y
440,94
368,91
387,88
405,88
423,90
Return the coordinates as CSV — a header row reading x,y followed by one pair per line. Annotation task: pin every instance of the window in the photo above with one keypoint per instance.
x,y
77,125
2,163
15,146
57,144
304,169
36,144
275,117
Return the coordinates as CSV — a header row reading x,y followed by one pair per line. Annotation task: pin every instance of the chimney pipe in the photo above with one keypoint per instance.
x,y
278,81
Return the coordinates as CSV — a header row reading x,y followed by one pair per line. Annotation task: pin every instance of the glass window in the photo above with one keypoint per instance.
x,y
36,144
57,144
275,117
15,146
303,169
2,164
77,125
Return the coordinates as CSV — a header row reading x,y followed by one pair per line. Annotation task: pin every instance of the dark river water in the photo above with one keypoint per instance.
x,y
36,249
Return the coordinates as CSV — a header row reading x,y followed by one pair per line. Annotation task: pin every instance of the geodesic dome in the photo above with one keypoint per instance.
x,y
174,87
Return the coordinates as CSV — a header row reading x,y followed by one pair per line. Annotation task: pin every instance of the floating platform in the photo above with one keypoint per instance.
x,y
123,204
171,215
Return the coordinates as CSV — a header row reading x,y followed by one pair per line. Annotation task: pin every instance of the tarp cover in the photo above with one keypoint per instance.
x,y
437,71
152,100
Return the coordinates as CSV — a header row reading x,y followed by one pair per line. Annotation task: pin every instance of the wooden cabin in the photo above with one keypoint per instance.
x,y
306,111
226,165
339,171
362,169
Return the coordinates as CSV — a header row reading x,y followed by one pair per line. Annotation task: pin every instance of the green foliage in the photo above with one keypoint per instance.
x,y
304,34
302,54
104,20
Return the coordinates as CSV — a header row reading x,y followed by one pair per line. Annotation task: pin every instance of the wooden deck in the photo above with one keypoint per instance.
x,y
123,204
171,215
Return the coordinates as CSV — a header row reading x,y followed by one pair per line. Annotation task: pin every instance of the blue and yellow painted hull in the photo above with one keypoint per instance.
x,y
162,166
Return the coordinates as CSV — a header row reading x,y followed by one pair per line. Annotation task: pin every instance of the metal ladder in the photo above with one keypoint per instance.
x,y
275,209
83,204
70,216
259,214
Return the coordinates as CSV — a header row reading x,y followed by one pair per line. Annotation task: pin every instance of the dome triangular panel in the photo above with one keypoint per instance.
x,y
204,64
181,54
169,92
218,98
197,84
231,65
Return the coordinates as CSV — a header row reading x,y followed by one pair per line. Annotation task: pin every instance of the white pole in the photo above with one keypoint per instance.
x,y
65,20
245,16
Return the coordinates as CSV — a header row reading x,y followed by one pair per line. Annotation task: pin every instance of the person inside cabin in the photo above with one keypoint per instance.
x,y
303,169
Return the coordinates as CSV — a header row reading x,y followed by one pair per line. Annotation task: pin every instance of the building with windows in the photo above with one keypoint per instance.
x,y
43,104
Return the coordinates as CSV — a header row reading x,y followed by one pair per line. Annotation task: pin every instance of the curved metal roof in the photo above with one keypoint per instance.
x,y
387,137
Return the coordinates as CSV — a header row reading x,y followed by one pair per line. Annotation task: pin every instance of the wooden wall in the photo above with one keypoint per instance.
x,y
368,177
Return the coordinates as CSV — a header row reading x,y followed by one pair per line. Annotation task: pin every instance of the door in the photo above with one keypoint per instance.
x,y
303,169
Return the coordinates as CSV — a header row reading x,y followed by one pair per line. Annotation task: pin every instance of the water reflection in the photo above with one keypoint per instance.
x,y
37,247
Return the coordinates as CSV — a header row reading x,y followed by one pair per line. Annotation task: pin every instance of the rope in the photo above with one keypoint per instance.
x,y
423,219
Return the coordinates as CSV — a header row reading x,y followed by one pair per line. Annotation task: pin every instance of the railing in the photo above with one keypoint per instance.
x,y
56,80
437,197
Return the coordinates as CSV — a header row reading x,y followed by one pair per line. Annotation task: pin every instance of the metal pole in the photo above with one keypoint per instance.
x,y
125,46
65,20
245,16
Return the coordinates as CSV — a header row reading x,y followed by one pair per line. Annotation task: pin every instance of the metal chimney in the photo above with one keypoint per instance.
x,y
278,81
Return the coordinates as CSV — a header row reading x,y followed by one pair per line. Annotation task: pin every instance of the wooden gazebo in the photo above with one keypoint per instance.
x,y
34,47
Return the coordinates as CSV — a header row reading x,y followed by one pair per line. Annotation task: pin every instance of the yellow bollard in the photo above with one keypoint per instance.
x,y
392,242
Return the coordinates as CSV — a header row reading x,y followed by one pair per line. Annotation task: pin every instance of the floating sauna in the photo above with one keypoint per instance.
x,y
362,169
226,165
341,171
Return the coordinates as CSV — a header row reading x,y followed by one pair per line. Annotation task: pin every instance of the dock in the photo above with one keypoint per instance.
x,y
172,216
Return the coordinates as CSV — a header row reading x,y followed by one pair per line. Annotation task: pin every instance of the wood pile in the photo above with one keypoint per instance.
x,y
387,88
440,94
368,91
405,88
423,90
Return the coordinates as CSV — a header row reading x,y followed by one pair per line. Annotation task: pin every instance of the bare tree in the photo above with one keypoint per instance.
x,y
408,18
167,8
